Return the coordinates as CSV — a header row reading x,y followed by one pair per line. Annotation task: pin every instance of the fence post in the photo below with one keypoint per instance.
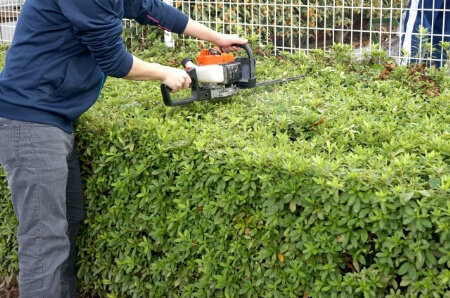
x,y
168,39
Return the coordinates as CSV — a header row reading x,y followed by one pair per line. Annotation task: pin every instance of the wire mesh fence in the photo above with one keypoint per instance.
x,y
390,25
9,11
294,24
290,25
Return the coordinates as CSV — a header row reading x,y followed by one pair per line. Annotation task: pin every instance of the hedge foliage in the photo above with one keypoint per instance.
x,y
335,185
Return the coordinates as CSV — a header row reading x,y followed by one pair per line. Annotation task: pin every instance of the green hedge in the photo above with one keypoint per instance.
x,y
8,222
335,185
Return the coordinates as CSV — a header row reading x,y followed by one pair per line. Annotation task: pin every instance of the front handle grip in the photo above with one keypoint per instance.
x,y
165,91
248,65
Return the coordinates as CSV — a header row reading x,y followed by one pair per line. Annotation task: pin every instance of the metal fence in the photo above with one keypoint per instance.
x,y
291,25
307,25
9,11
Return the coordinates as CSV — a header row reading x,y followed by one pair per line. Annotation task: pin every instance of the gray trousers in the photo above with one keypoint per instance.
x,y
43,174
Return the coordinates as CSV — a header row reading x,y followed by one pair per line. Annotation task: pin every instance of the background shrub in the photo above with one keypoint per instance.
x,y
337,184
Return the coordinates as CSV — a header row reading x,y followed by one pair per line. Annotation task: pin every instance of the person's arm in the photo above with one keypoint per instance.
x,y
155,12
225,41
174,78
167,17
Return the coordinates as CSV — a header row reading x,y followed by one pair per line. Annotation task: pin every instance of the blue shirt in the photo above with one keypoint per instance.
x,y
62,51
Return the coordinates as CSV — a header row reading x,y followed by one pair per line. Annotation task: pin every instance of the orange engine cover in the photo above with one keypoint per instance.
x,y
213,56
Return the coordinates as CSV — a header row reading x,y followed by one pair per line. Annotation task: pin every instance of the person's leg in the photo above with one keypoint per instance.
x,y
75,215
35,159
419,13
446,27
441,32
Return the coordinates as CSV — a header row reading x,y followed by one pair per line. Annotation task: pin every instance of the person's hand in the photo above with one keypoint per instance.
x,y
226,41
176,79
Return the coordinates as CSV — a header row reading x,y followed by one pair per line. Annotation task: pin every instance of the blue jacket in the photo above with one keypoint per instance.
x,y
62,51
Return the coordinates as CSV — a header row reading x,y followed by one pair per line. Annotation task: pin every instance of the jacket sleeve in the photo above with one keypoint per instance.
x,y
156,12
98,25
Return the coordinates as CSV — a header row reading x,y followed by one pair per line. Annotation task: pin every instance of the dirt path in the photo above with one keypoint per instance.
x,y
10,290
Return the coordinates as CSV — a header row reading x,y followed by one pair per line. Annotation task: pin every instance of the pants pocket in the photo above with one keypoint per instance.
x,y
8,145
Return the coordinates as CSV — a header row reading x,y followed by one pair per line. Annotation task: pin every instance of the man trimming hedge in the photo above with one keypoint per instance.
x,y
61,54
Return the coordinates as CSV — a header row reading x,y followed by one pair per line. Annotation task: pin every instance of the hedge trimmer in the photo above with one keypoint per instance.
x,y
218,75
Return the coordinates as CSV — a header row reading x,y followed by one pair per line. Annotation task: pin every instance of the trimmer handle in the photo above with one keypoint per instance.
x,y
196,93
248,80
248,65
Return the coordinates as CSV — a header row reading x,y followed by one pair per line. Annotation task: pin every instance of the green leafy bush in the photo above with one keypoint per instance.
x,y
8,222
335,185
